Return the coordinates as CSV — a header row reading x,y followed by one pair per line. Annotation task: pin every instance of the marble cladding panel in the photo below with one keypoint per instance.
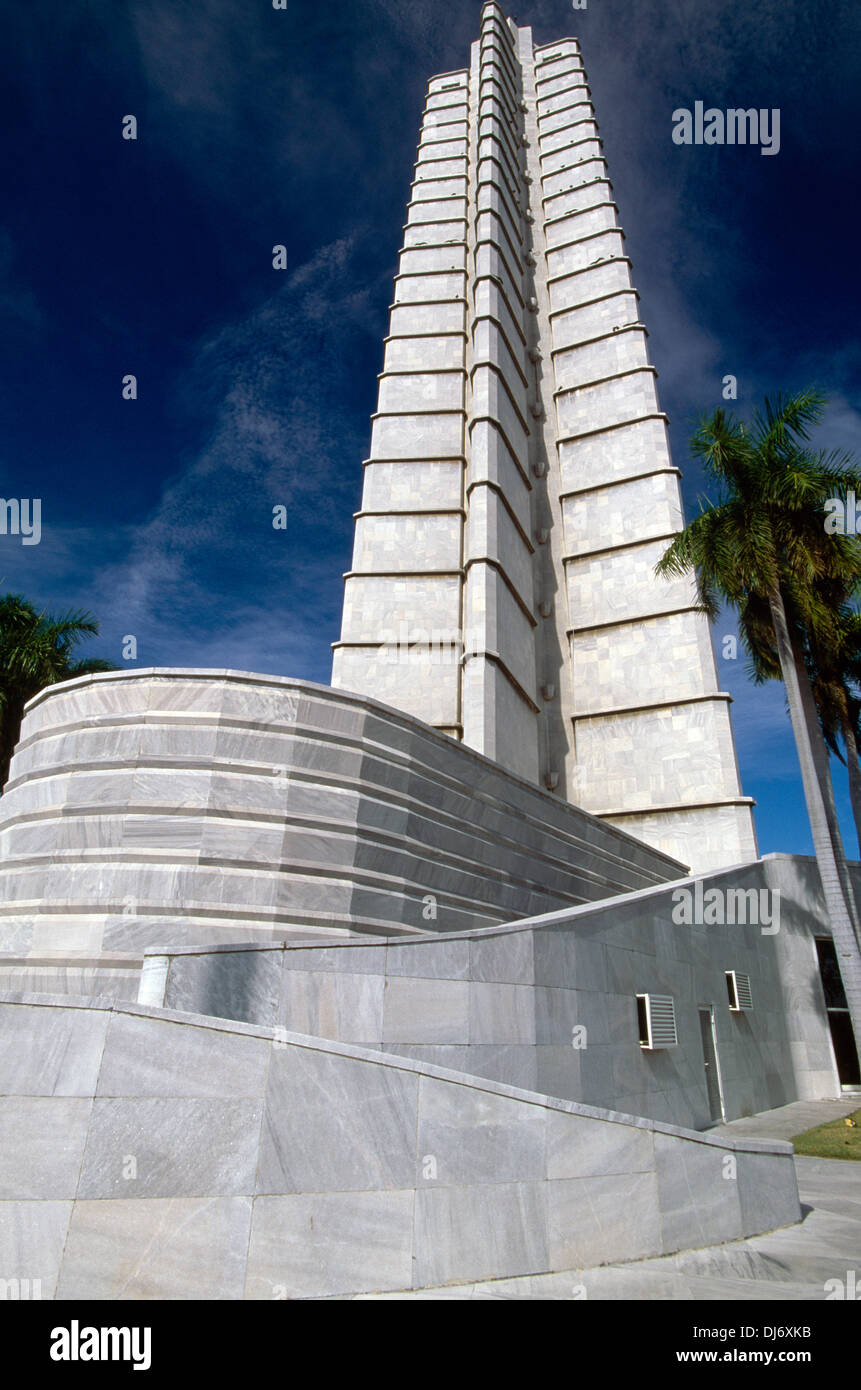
x,y
69,705
497,154
43,1143
449,81
433,190
444,115
588,285
488,199
497,141
55,749
493,615
491,399
550,84
277,704
447,959
493,104
561,57
181,1147
497,719
429,286
401,484
667,755
82,981
560,101
622,515
168,1248
588,222
441,317
454,103
436,132
493,263
609,403
32,1241
494,186
597,360
420,686
151,1057
582,146
242,985
581,126
641,662
490,302
600,1219
489,344
491,461
318,1245
417,436
455,1224
333,1004
363,1118
431,260
426,1011
429,353
576,176
768,1193
432,390
505,959
493,535
477,1137
443,149
51,834
576,200
623,453
709,837
554,77
555,51
51,1052
401,610
407,542
566,118
611,587
682,1170
493,225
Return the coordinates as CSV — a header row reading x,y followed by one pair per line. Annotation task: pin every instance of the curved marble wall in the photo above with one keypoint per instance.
x,y
171,808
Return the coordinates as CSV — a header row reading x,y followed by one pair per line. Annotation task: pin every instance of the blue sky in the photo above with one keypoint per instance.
x,y
260,126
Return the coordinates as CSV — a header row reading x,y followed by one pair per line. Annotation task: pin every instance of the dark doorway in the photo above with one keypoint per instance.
x,y
842,1037
710,1061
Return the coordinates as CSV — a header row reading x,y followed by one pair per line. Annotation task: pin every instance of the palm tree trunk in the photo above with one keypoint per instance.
x,y
851,745
826,784
827,845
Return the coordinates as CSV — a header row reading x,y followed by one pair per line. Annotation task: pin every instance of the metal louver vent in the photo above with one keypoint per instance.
x,y
657,1014
738,988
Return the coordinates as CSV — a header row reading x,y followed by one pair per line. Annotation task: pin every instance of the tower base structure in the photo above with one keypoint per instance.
x,y
284,946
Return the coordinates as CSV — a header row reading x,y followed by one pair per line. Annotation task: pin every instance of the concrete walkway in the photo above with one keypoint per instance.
x,y
793,1263
793,1119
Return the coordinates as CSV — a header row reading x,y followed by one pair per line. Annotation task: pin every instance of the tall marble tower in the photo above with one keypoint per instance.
x,y
519,488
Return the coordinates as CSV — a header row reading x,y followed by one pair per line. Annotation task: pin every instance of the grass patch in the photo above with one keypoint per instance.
x,y
834,1140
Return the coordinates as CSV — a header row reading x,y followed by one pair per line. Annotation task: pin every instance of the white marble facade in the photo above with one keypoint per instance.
x,y
519,489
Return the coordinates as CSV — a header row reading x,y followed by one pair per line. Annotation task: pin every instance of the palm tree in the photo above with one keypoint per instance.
x,y
36,650
763,549
835,677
